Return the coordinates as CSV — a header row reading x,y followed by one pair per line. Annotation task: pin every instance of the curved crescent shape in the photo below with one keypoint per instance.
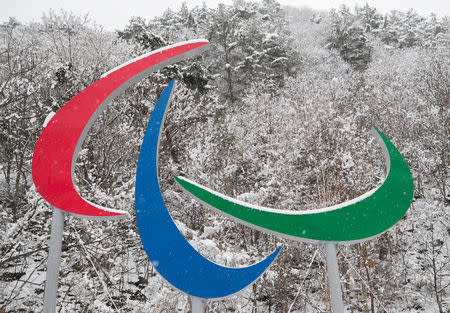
x,y
57,148
171,255
358,219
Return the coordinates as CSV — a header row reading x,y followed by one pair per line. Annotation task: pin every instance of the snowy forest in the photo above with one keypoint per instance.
x,y
277,113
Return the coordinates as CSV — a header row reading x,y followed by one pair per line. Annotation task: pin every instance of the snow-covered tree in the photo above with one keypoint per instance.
x,y
348,37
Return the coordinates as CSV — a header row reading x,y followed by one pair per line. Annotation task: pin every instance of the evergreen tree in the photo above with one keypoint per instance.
x,y
407,30
137,31
369,17
348,37
253,43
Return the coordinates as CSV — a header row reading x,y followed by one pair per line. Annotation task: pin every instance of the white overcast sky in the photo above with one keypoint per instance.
x,y
115,14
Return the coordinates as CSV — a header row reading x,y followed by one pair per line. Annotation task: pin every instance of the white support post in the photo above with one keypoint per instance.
x,y
54,261
334,282
198,305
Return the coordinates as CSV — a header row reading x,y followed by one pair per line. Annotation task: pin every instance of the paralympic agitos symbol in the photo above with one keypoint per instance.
x,y
58,146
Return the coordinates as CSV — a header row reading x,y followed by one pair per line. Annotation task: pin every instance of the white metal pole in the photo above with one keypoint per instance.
x,y
334,282
54,261
198,305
